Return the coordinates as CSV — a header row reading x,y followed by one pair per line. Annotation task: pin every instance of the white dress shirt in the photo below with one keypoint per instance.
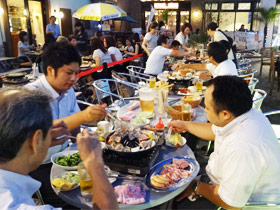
x,y
16,192
115,51
226,67
246,160
156,60
62,105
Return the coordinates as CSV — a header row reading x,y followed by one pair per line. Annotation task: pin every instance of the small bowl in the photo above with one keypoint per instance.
x,y
66,153
194,103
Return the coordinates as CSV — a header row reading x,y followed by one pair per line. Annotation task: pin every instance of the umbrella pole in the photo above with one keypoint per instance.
x,y
121,25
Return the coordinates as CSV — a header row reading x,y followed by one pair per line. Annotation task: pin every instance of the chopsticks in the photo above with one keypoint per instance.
x,y
127,177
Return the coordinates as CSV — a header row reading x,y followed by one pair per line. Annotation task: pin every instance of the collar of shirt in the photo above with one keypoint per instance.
x,y
18,183
50,90
226,130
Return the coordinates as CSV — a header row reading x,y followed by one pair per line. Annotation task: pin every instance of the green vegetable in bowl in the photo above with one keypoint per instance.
x,y
70,160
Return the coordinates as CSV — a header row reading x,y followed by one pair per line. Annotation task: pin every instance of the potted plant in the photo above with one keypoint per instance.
x,y
267,16
196,39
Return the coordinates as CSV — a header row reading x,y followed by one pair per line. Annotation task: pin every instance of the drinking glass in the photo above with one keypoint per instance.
x,y
147,99
152,82
199,84
85,181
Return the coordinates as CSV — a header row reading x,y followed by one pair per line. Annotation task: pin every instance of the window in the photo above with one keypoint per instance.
x,y
243,18
226,21
211,6
227,6
244,6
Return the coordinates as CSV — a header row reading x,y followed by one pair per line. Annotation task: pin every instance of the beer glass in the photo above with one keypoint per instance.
x,y
85,181
152,82
199,84
186,112
147,99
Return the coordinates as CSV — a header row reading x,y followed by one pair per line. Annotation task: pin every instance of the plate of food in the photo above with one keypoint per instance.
x,y
171,174
184,92
175,140
68,160
66,181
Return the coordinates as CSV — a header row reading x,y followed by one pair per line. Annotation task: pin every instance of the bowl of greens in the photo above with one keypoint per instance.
x,y
68,160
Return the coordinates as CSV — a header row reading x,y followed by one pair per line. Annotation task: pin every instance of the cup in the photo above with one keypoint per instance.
x,y
85,181
186,112
147,99
199,84
103,127
152,82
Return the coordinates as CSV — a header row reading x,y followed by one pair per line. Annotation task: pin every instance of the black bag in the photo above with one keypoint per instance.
x,y
230,40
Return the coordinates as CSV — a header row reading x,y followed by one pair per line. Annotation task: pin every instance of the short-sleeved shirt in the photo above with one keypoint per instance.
x,y
245,162
151,41
22,45
62,105
180,37
16,192
156,60
104,57
219,36
54,28
115,51
227,67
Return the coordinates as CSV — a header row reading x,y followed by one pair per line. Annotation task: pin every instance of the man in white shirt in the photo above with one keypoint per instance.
x,y
245,163
61,64
25,136
219,64
157,58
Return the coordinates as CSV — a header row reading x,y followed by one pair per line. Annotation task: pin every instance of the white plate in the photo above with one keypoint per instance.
x,y
167,143
77,184
147,121
66,153
84,65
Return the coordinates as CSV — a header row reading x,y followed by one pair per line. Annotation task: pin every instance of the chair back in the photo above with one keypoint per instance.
x,y
258,97
252,82
137,71
247,74
128,77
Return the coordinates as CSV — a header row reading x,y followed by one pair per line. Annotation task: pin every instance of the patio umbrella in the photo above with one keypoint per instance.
x,y
126,18
99,12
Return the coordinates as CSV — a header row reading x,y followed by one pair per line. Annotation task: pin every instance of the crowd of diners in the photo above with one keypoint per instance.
x,y
244,165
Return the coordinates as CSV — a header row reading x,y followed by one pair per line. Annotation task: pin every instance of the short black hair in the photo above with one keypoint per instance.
x,y
98,34
79,24
22,112
226,44
186,25
231,93
162,39
212,26
71,36
175,43
59,54
218,51
21,35
135,37
52,17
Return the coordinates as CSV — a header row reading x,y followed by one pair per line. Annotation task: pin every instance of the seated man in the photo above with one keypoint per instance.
x,y
219,63
25,136
61,64
157,58
245,164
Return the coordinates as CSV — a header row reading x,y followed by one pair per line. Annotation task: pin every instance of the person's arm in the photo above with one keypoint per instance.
x,y
103,195
210,192
144,46
136,51
113,57
90,114
97,61
197,66
59,129
178,53
201,130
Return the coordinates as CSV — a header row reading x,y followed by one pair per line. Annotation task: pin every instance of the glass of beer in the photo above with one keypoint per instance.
x,y
147,99
85,181
186,112
152,82
199,84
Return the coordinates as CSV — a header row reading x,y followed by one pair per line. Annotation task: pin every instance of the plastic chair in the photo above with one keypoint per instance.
x,y
258,97
246,73
108,88
137,71
252,82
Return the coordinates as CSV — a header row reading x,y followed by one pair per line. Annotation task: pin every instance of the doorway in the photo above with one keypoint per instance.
x,y
66,22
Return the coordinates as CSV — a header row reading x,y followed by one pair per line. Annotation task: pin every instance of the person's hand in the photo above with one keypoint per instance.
x,y
94,113
59,129
187,192
178,126
178,66
205,75
148,53
89,148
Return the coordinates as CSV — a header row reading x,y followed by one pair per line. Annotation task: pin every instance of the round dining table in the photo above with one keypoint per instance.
x,y
153,198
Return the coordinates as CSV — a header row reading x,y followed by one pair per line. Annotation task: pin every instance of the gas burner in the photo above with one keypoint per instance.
x,y
137,165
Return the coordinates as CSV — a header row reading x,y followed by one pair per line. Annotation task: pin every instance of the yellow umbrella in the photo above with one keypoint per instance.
x,y
99,12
